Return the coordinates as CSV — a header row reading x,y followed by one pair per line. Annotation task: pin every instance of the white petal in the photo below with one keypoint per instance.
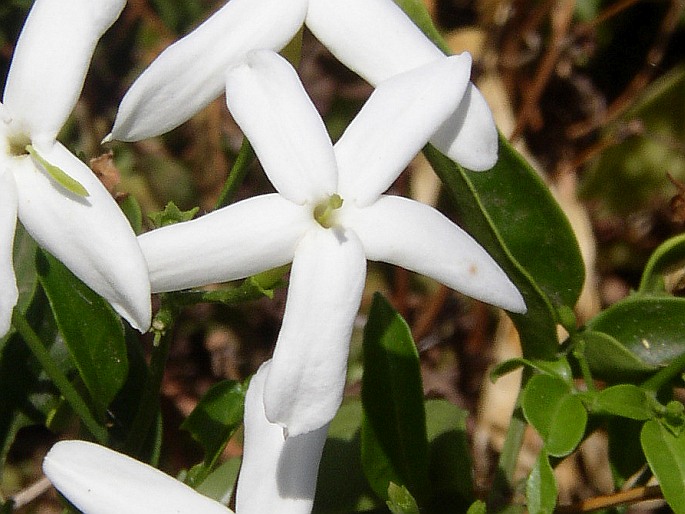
x,y
395,123
91,236
8,222
51,60
98,480
419,238
306,380
372,37
278,475
235,242
469,136
190,73
267,99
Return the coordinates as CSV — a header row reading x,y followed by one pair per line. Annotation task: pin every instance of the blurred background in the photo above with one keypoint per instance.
x,y
592,92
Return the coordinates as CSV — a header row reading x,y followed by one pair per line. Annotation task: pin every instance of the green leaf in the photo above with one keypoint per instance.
x,y
220,483
91,329
62,178
665,453
450,469
171,215
668,256
626,400
400,500
394,441
478,507
498,207
559,368
133,212
610,360
557,414
651,328
541,487
215,419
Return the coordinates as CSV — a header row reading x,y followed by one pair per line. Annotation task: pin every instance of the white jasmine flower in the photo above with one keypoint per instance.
x,y
57,198
277,474
374,38
327,218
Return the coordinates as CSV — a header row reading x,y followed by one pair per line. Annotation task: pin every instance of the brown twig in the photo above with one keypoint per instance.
x,y
635,495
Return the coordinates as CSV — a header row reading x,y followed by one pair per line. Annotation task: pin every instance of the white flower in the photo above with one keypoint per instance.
x,y
277,474
85,230
328,217
374,38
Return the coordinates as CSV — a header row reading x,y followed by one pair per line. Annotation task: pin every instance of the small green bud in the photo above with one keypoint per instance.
x,y
323,212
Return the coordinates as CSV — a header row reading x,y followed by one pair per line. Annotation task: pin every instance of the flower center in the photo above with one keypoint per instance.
x,y
17,144
324,211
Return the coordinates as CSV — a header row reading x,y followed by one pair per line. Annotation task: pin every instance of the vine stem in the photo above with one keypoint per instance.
x,y
67,390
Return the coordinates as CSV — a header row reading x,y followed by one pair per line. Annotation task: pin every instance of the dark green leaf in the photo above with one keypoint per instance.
x,y
417,11
541,487
450,456
91,329
665,453
611,361
394,441
498,207
651,328
216,418
133,212
626,400
557,414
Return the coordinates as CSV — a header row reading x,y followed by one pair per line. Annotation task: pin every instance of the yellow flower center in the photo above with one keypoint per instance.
x,y
325,210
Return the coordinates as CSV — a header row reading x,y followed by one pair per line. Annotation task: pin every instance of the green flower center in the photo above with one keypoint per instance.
x,y
324,211
18,144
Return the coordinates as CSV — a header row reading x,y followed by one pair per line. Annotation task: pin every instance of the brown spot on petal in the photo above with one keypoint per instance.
x,y
473,269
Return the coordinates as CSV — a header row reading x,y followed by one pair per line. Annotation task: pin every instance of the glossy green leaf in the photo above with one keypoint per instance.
x,y
215,419
63,179
450,468
91,329
400,500
665,453
667,257
651,328
626,400
220,483
393,435
541,487
609,360
498,207
557,414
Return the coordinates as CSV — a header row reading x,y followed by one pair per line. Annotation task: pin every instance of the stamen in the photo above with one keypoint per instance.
x,y
18,144
324,212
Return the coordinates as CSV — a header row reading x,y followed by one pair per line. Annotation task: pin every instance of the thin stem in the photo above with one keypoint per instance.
x,y
665,375
149,402
235,178
65,387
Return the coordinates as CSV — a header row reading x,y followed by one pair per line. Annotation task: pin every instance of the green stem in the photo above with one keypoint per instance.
x,y
65,387
149,402
665,375
235,178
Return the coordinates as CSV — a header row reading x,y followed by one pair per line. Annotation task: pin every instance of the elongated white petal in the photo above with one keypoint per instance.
x,y
190,73
278,474
469,136
306,380
51,59
395,123
372,37
235,242
419,238
98,480
267,99
377,40
8,222
91,236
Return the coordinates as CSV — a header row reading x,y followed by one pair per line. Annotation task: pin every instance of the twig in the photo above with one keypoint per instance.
x,y
29,494
638,494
